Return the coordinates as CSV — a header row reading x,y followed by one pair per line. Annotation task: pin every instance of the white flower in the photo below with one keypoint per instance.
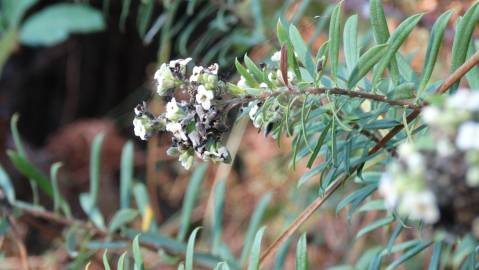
x,y
445,148
420,206
181,62
291,76
177,130
388,190
172,109
139,128
472,177
263,85
464,99
276,57
164,78
253,111
242,82
197,71
468,136
214,69
411,156
204,97
431,115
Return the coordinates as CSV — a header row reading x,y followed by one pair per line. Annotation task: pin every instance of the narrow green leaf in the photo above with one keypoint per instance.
x,y
106,264
54,180
8,44
281,33
435,42
16,135
375,225
257,73
473,75
395,41
302,254
190,250
125,10
365,63
121,261
409,254
244,72
301,50
464,30
350,43
55,23
137,253
6,186
334,148
145,10
320,143
254,223
335,39
189,200
91,210
394,236
256,250
434,264
95,157
217,222
122,217
126,174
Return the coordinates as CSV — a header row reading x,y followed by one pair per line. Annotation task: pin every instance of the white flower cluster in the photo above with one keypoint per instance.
x,y
439,173
196,124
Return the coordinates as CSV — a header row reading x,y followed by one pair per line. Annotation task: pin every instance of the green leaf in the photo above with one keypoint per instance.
x,y
335,39
464,30
434,264
409,254
56,192
55,23
126,174
145,10
137,253
217,222
8,43
91,210
106,264
301,50
258,73
350,43
375,225
125,10
31,172
189,200
16,135
122,217
302,254
244,72
365,63
473,75
254,223
433,47
6,186
95,157
320,143
395,41
190,249
256,250
281,32
378,21
394,236
121,261
13,11
373,205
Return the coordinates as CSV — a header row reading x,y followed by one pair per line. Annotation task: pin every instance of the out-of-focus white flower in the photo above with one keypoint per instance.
x,y
276,57
253,111
186,159
177,130
172,110
164,79
420,206
291,76
472,177
263,85
180,62
444,147
197,71
468,136
388,190
411,156
242,82
465,100
204,97
431,115
140,128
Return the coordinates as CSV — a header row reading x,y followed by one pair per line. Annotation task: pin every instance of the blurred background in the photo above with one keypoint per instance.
x,y
87,82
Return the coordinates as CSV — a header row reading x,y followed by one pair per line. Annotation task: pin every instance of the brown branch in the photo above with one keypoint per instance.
x,y
452,79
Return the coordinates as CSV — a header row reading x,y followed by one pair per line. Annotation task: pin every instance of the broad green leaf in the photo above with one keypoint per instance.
x,y
350,43
281,33
126,174
13,10
302,254
301,50
190,250
365,63
375,225
253,226
378,21
394,42
464,30
189,200
6,186
122,217
409,254
335,39
257,73
217,222
138,260
95,157
106,264
55,23
56,192
256,250
435,42
473,75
